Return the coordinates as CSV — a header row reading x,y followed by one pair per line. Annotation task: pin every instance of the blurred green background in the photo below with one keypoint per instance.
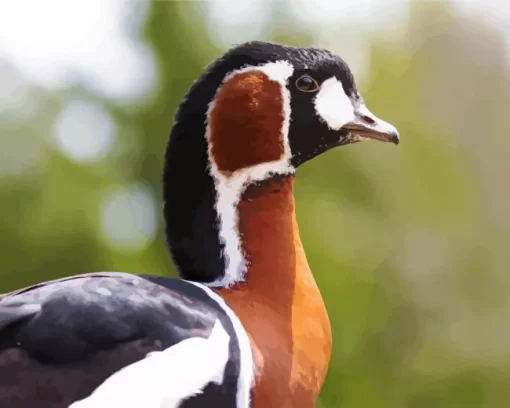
x,y
410,245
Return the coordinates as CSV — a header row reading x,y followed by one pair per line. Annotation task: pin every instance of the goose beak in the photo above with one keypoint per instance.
x,y
367,126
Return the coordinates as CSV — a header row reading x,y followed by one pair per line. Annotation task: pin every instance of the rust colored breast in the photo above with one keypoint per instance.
x,y
280,304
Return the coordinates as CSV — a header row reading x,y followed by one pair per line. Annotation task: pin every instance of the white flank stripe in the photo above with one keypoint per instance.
x,y
246,369
230,188
165,378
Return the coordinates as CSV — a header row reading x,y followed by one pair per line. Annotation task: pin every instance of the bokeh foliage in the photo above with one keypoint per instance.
x,y
409,245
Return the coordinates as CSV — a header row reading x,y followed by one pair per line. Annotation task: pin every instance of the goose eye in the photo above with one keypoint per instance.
x,y
306,83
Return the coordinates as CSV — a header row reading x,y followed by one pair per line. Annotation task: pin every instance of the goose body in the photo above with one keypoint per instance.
x,y
245,325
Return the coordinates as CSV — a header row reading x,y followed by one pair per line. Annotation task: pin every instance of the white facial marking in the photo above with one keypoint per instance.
x,y
246,370
165,378
230,187
332,104
278,71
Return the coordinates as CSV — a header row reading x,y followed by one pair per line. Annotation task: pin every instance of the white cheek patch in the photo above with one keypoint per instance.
x,y
332,105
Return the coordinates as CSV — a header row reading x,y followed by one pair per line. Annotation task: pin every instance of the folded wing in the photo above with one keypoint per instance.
x,y
164,379
118,336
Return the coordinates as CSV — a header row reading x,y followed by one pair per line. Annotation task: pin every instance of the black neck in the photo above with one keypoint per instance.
x,y
189,193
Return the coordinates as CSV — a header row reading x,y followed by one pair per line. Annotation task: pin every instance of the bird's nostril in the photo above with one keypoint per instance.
x,y
368,120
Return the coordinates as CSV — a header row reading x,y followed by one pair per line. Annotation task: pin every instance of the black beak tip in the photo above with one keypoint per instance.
x,y
395,138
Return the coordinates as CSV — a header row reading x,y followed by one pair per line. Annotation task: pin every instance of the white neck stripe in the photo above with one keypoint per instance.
x,y
229,188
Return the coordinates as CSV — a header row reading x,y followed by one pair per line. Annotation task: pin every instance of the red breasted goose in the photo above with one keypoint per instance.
x,y
246,325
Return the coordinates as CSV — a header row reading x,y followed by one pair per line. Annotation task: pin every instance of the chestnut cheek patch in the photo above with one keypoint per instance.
x,y
246,122
247,135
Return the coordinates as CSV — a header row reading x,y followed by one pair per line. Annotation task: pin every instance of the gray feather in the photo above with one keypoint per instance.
x,y
12,311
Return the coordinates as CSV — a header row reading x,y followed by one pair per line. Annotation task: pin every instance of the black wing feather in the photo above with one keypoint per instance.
x,y
62,339
13,311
